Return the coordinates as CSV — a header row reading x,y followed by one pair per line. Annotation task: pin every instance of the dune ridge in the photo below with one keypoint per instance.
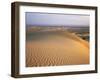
x,y
63,48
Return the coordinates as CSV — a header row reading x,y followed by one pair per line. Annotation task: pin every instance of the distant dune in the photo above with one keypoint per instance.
x,y
55,48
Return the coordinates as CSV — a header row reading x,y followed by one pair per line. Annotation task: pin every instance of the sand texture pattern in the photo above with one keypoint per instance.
x,y
55,48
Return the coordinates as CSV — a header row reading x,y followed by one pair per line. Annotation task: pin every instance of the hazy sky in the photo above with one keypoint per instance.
x,y
45,19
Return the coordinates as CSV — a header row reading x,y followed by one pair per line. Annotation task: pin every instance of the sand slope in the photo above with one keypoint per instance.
x,y
56,48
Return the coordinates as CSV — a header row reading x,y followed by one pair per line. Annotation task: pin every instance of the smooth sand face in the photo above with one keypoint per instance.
x,y
56,48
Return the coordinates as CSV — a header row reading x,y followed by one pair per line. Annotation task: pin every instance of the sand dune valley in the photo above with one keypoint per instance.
x,y
55,47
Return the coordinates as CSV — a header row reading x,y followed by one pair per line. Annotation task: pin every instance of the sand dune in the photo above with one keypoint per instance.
x,y
56,48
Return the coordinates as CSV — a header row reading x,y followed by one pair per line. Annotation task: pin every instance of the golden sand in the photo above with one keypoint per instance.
x,y
57,50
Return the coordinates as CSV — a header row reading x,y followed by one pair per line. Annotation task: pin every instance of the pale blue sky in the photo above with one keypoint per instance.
x,y
45,19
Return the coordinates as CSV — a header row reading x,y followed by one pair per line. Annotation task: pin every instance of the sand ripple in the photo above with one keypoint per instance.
x,y
57,50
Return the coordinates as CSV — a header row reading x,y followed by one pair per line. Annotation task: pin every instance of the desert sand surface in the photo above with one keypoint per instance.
x,y
55,48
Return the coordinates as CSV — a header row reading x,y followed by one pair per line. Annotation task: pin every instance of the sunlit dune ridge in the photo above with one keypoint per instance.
x,y
56,48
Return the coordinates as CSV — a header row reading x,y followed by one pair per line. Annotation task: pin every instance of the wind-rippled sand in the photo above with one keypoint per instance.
x,y
55,49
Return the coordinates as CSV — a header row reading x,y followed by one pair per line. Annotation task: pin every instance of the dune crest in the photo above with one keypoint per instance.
x,y
55,49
